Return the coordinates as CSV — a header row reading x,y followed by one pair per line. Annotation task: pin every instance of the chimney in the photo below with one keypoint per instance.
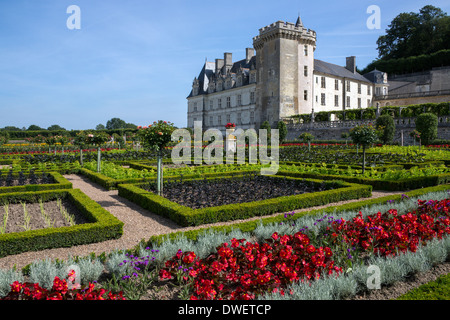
x,y
249,53
219,65
351,64
228,61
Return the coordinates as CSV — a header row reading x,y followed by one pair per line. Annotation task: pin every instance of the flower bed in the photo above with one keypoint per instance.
x,y
59,291
134,269
186,216
244,270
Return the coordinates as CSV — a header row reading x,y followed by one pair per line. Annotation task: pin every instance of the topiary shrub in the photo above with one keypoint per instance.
x,y
385,124
282,130
427,124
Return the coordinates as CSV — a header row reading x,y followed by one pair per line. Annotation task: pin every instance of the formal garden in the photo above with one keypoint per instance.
x,y
336,221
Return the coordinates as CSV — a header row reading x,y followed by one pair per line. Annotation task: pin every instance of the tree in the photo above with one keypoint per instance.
x,y
306,138
413,34
385,124
100,127
157,136
427,126
34,127
97,138
11,128
364,135
116,123
282,130
55,127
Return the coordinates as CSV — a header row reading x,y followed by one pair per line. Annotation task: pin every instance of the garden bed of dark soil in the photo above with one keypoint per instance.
x,y
25,179
198,194
16,221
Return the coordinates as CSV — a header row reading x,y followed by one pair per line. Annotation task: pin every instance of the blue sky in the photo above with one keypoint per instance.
x,y
136,59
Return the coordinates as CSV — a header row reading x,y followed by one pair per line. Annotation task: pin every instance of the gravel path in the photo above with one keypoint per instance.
x,y
138,224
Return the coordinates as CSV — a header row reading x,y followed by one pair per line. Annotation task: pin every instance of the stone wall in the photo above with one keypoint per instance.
x,y
332,130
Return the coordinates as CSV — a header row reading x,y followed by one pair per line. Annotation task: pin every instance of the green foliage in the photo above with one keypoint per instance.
x,y
96,138
385,124
427,124
282,130
306,137
413,34
434,290
157,135
364,135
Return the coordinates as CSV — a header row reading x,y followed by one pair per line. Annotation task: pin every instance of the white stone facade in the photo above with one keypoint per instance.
x,y
277,79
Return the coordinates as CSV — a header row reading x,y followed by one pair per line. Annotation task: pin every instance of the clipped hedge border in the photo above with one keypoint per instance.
x,y
60,183
104,181
383,167
377,184
185,216
250,226
112,184
102,225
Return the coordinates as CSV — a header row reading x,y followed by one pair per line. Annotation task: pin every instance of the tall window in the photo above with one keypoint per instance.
x,y
239,99
252,97
305,71
305,95
322,99
305,49
359,87
322,82
211,120
252,117
336,84
336,100
228,118
368,90
348,102
219,119
348,86
195,106
219,103
239,118
359,103
228,102
211,104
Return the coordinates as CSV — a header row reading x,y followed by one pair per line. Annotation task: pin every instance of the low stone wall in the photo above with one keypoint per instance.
x,y
332,130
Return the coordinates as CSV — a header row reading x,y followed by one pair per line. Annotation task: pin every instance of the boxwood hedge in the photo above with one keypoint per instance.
x,y
186,216
59,183
102,225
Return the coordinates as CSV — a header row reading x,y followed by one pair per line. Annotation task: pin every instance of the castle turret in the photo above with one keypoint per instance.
x,y
285,64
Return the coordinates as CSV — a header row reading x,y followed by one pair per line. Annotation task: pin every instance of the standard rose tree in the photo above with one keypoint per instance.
x,y
364,135
97,139
157,136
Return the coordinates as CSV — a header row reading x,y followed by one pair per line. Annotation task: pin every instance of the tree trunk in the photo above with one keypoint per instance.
x,y
98,159
159,174
364,160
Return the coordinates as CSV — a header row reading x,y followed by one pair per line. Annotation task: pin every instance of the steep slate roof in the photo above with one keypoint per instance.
x,y
209,69
335,70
